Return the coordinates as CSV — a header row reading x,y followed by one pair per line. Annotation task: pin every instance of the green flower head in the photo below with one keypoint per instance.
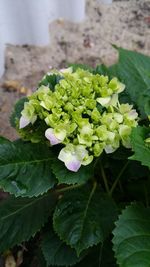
x,y
83,113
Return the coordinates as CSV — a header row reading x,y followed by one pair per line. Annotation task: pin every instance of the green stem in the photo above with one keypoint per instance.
x,y
96,161
104,179
61,190
118,178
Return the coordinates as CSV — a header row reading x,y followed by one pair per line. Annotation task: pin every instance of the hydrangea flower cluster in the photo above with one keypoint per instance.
x,y
82,113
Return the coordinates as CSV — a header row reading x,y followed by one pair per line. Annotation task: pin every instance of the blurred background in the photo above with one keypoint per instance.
x,y
36,35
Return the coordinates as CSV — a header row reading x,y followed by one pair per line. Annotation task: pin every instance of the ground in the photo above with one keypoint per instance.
x,y
124,23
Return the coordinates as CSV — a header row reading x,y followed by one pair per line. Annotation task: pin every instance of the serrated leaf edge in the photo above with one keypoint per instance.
x,y
63,239
23,240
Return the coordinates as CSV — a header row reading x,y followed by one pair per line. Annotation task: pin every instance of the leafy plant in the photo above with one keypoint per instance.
x,y
78,179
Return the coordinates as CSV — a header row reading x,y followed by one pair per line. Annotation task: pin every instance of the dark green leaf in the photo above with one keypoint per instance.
x,y
99,256
50,80
21,218
100,108
41,260
56,252
121,153
132,237
145,98
34,133
139,189
133,69
16,113
25,168
65,176
84,217
141,150
147,107
133,170
102,70
3,140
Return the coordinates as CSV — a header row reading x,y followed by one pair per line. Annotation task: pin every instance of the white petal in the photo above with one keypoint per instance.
x,y
49,134
109,149
118,117
64,155
103,100
81,152
61,135
132,115
122,87
114,100
71,161
73,165
66,70
23,122
124,130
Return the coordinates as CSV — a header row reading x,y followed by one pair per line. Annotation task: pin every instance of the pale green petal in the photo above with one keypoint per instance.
x,y
104,101
61,135
109,149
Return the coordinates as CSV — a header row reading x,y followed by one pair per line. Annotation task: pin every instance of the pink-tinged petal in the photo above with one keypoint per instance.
x,y
73,165
70,159
132,115
23,122
49,134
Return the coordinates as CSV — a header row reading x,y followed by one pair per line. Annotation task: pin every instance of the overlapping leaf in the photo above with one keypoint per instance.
x,y
141,150
65,176
21,218
50,80
56,252
99,256
16,113
132,237
133,69
84,217
25,168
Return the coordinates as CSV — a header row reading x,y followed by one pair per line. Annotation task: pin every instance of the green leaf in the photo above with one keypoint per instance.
x,y
84,217
121,153
16,113
21,218
133,69
65,176
132,237
3,140
141,150
99,256
139,189
145,98
41,260
102,70
56,252
147,107
25,168
50,81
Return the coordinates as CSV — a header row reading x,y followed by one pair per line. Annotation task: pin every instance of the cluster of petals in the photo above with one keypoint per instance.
x,y
83,113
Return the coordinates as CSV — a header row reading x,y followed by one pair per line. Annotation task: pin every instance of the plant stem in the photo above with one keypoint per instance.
x,y
104,179
68,188
118,178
